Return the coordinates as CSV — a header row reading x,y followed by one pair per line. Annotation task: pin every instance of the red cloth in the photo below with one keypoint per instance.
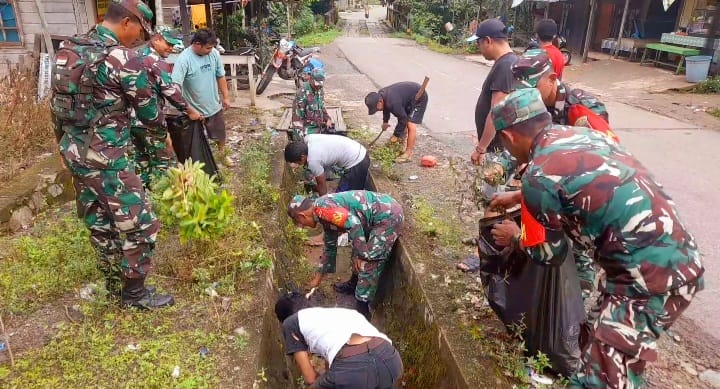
x,y
558,60
580,115
532,233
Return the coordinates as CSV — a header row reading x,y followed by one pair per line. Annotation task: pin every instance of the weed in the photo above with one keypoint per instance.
x,y
256,188
262,375
431,225
44,266
320,38
715,112
709,86
385,156
27,129
539,362
241,342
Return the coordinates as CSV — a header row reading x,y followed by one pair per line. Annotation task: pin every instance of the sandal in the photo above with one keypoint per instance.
x,y
471,264
402,159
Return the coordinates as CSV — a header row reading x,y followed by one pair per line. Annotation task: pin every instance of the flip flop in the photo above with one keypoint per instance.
x,y
471,264
403,159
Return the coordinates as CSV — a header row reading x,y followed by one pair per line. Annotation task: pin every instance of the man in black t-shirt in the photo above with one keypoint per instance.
x,y
399,100
492,41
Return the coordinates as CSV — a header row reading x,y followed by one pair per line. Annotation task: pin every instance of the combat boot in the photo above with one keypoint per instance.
x,y
347,287
135,294
364,308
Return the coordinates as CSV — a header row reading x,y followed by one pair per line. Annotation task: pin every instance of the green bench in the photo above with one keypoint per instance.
x,y
672,49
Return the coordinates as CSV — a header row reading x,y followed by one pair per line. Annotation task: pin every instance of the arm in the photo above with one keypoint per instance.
x,y
299,109
307,370
356,235
136,84
542,236
489,129
221,81
329,259
172,92
321,187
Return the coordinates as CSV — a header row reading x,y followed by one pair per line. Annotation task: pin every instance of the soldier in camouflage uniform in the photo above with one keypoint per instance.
x,y
309,113
123,228
372,221
152,154
580,184
534,69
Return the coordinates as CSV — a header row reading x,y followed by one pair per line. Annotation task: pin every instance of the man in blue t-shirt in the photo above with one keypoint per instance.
x,y
200,72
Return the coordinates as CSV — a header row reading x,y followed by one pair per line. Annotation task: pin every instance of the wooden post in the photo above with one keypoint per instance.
x,y
159,19
226,30
208,15
622,27
547,9
184,19
589,32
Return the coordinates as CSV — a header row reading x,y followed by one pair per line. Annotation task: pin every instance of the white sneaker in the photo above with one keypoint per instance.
x,y
343,240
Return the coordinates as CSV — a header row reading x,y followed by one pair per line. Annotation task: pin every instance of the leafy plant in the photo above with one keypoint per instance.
x,y
709,86
539,362
190,198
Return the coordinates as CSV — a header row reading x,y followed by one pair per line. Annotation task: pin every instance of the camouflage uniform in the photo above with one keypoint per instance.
x,y
309,113
372,221
112,195
152,157
528,70
581,184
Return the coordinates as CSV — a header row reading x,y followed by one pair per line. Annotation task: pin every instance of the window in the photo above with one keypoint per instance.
x,y
9,30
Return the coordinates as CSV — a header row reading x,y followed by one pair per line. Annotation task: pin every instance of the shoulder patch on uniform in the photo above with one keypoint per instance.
x,y
335,215
532,233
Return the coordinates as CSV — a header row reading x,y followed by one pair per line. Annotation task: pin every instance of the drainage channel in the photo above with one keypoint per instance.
x,y
402,313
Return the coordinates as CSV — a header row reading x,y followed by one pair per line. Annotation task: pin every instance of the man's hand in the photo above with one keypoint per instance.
x,y
225,103
505,200
329,123
504,232
477,158
385,126
358,264
316,280
194,114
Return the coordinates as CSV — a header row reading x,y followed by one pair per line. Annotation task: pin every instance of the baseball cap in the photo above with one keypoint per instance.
x,y
172,36
371,100
530,67
546,27
517,107
491,28
141,11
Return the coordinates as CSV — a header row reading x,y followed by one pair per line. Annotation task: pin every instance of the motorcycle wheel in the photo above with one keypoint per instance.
x,y
265,80
567,55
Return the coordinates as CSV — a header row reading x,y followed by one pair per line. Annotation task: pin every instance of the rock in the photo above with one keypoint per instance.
x,y
241,332
711,377
55,190
176,372
20,219
132,347
88,292
226,303
37,201
204,351
210,291
689,368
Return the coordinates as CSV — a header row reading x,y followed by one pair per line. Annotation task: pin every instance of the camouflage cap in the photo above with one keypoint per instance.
x,y
530,68
318,75
296,202
172,36
517,107
141,11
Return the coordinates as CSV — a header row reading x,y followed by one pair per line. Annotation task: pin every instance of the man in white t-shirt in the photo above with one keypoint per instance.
x,y
358,355
320,152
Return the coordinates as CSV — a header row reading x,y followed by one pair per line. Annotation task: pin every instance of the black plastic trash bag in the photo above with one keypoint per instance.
x,y
547,299
189,141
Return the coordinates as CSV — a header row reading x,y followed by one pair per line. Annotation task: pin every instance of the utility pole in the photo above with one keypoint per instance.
x,y
588,33
185,20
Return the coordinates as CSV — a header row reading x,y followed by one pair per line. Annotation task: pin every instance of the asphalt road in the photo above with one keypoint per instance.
x,y
683,158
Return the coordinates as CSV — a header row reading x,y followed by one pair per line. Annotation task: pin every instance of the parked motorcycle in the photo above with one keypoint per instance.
x,y
560,42
288,62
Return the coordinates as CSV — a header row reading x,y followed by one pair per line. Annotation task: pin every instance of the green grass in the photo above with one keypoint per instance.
x,y
709,86
458,49
715,112
40,267
93,351
320,38
428,221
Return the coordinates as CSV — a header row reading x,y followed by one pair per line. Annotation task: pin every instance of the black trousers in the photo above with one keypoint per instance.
x,y
379,368
356,177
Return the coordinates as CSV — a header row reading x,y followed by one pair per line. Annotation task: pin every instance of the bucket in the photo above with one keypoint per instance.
x,y
697,68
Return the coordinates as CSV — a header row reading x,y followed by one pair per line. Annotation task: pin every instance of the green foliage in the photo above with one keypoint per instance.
x,y
303,21
319,38
709,86
539,362
715,112
189,197
386,154
44,266
429,223
256,188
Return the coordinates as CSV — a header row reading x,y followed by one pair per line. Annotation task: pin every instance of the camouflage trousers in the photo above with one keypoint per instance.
x,y
298,134
123,228
152,156
622,337
383,237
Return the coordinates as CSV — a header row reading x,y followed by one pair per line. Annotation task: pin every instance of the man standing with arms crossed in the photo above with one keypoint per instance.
x,y
492,41
200,72
94,127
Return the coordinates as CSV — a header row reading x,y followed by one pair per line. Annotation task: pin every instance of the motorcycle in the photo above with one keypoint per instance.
x,y
288,62
560,42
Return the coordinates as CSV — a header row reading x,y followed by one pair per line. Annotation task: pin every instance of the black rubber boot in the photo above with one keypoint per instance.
x,y
364,308
135,294
347,287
